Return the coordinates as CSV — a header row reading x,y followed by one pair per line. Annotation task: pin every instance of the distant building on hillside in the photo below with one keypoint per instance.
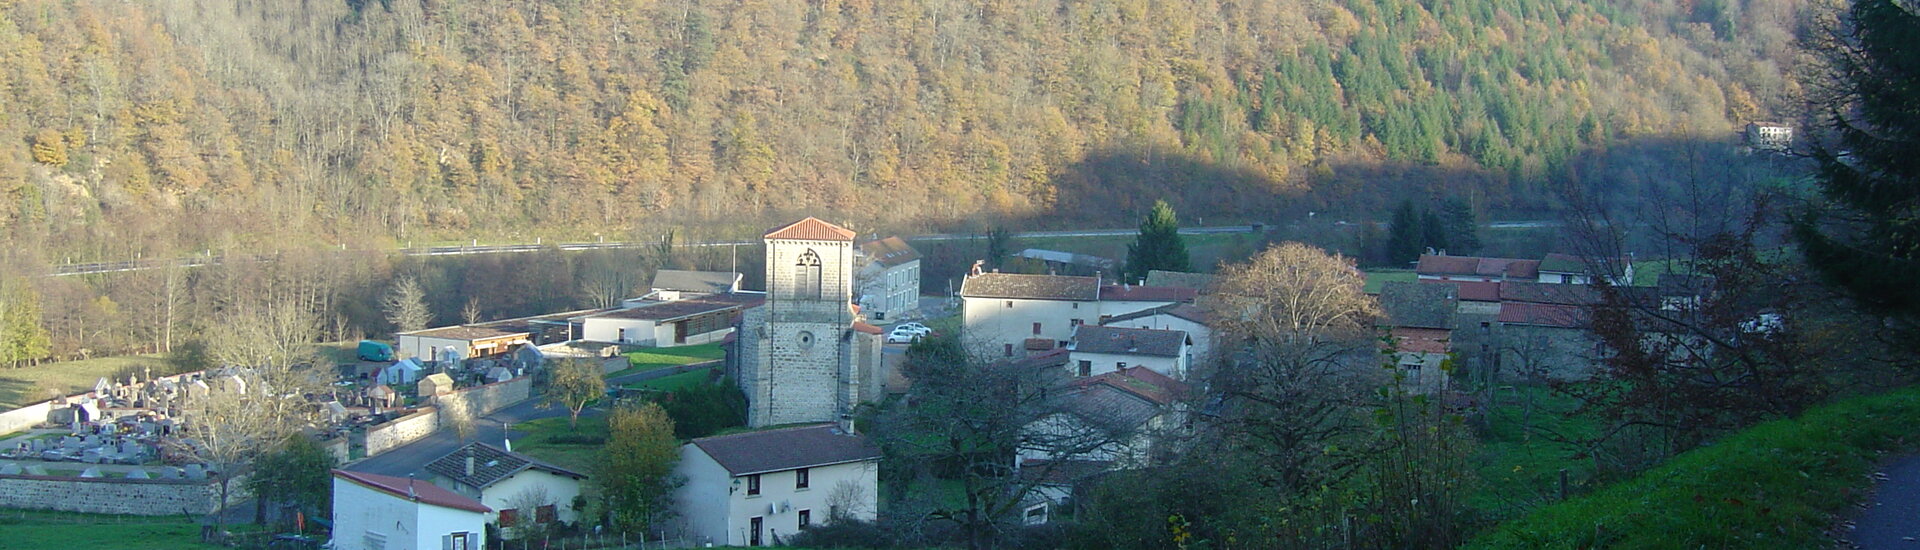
x,y
1769,136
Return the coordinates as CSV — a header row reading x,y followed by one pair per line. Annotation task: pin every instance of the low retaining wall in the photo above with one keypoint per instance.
x,y
480,401
403,430
141,497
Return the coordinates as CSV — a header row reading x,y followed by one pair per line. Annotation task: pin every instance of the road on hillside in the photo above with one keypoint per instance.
x,y
493,428
1891,517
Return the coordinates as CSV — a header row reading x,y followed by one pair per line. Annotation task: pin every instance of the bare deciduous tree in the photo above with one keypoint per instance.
x,y
406,305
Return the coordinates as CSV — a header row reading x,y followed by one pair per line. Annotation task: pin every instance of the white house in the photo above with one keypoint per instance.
x,y
519,488
757,488
888,279
1015,313
682,322
1187,318
459,342
1096,350
376,512
1572,270
674,284
1112,421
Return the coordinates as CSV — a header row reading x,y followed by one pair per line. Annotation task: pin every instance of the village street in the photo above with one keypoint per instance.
x,y
1890,518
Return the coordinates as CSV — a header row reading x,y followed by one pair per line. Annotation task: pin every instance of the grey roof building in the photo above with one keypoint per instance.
x,y
1415,305
787,449
1031,287
1136,341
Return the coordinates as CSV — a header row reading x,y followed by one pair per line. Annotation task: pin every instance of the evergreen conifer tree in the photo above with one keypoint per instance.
x,y
1405,236
1159,245
1869,243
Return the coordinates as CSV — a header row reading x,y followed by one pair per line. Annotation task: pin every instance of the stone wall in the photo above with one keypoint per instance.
x,y
340,448
480,401
401,431
144,497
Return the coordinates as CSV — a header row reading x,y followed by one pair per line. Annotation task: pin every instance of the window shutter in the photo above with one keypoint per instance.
x,y
446,542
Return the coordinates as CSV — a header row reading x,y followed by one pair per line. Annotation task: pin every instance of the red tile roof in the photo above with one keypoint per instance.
x,y
864,327
811,229
1434,264
421,490
1137,293
1550,315
1144,382
1423,340
1473,291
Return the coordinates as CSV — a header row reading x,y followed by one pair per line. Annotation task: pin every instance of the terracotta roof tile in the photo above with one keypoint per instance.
x,y
422,491
811,229
1472,291
1549,315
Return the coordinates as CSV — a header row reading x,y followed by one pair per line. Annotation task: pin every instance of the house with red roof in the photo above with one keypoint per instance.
x,y
376,512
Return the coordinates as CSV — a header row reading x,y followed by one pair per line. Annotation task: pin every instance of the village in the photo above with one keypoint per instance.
x,y
815,354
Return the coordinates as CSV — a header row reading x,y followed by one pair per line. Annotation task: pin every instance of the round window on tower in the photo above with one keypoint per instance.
x,y
806,339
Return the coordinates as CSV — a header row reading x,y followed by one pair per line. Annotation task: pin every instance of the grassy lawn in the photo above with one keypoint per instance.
x,y
21,386
654,358
1378,277
34,529
677,381
1775,485
1520,471
553,440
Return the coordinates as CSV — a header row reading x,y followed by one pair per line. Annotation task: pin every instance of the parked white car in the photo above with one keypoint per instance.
x,y
917,328
902,335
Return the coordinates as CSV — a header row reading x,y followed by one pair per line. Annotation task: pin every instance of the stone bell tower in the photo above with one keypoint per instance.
x,y
799,350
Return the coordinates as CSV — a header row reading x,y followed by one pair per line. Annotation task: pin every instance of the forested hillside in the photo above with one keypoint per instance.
x,y
130,127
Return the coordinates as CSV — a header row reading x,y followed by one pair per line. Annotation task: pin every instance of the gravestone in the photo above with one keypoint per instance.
x,y
91,471
36,470
196,472
138,473
169,473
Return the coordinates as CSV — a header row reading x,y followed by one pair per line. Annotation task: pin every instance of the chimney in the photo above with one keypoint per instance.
x,y
469,464
410,494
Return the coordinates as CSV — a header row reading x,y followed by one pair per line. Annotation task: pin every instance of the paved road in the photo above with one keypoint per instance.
x,y
1891,518
492,428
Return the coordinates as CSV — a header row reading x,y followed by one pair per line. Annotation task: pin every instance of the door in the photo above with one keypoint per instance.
x,y
754,525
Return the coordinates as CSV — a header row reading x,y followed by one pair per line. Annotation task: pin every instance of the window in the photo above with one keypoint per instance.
x,y
1009,348
1076,305
509,516
1075,322
1036,329
754,525
1119,365
800,478
753,484
1086,368
806,276
544,514
374,541
806,518
456,541
1009,304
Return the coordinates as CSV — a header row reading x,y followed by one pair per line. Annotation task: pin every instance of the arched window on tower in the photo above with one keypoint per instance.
x,y
806,276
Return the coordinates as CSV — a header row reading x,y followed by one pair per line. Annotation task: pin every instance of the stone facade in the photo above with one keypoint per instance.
x,y
142,497
403,430
799,351
483,400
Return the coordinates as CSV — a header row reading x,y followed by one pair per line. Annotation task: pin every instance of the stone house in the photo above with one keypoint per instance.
x,y
756,488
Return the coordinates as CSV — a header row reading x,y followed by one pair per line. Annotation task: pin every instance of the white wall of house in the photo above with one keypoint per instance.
x,y
362,515
890,293
505,494
999,322
643,332
1102,363
1201,335
423,347
718,509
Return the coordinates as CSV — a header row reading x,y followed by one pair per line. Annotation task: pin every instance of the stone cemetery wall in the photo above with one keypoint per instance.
x,y
339,448
144,497
483,400
24,417
402,431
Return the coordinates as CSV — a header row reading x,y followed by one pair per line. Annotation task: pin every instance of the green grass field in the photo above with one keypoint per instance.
x,y
34,530
1378,277
1518,469
553,440
674,382
1775,485
23,385
654,358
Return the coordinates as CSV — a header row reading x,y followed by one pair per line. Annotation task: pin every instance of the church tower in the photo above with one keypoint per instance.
x,y
799,349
